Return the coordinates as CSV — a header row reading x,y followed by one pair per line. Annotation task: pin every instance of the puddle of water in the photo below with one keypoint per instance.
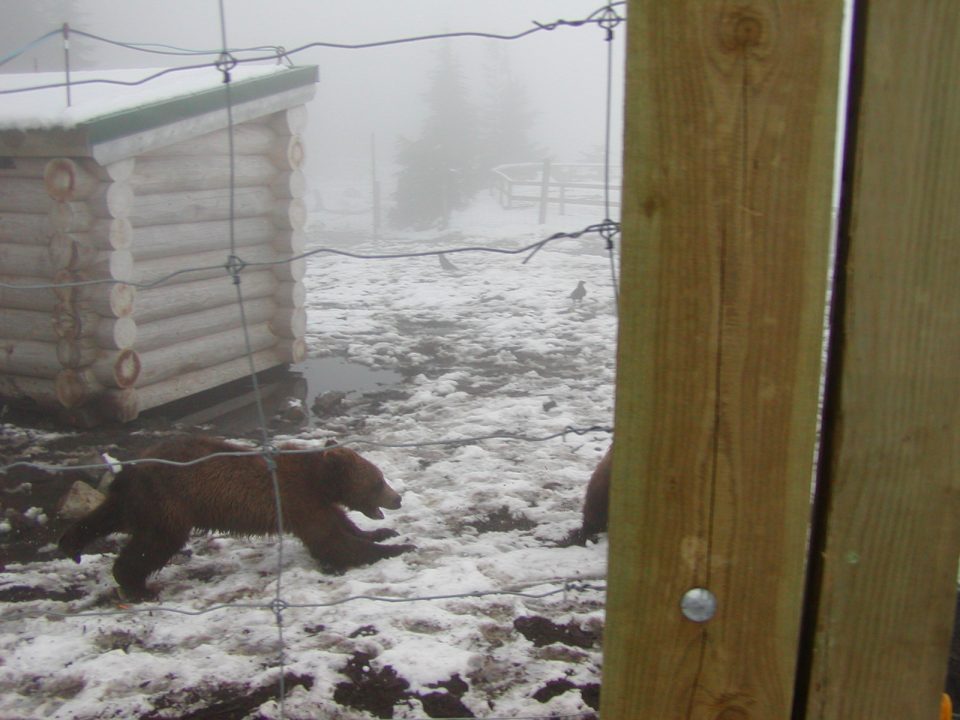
x,y
333,374
231,408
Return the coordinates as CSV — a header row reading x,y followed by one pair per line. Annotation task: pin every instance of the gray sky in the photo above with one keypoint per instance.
x,y
374,91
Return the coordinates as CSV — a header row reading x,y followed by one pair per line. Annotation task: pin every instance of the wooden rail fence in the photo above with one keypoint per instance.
x,y
547,183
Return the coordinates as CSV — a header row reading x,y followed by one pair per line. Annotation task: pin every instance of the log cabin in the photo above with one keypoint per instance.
x,y
120,207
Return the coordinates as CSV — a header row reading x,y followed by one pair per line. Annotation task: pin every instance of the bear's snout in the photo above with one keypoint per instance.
x,y
389,498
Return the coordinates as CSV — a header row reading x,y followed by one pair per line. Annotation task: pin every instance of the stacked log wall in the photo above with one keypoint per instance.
x,y
26,330
145,311
64,221
190,333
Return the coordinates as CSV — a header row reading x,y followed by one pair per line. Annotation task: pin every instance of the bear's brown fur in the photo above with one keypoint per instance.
x,y
596,503
159,504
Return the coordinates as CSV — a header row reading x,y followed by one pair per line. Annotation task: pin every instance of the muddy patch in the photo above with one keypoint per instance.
x,y
589,692
24,593
373,691
541,632
379,692
223,702
500,520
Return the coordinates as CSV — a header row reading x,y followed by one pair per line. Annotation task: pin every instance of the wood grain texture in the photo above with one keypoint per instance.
x,y
25,228
892,542
157,241
730,126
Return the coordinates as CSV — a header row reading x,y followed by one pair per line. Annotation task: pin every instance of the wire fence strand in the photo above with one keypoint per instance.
x,y
600,18
235,264
567,585
274,451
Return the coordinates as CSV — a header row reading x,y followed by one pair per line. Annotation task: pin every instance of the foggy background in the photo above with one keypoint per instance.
x,y
368,97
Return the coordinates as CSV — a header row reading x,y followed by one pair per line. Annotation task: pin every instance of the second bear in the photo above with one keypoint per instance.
x,y
159,504
595,504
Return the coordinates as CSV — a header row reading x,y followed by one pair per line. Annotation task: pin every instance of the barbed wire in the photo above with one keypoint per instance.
x,y
272,450
235,263
568,585
29,46
162,49
606,18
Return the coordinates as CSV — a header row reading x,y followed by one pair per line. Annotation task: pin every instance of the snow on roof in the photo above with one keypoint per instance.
x,y
110,121
47,108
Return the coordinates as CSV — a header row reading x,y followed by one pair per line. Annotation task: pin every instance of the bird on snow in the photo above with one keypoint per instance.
x,y
446,264
579,292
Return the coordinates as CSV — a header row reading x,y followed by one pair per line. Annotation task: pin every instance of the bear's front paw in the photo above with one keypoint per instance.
x,y
131,595
576,537
381,534
394,550
71,553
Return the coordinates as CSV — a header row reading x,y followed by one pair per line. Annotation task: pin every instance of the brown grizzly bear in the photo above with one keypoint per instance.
x,y
596,502
159,504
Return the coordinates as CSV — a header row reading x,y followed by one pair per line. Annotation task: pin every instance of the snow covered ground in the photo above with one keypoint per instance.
x,y
494,347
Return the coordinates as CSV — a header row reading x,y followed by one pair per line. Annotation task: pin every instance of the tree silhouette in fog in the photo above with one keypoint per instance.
x,y
439,171
507,119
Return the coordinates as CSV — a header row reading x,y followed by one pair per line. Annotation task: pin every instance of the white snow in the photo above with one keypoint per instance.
x,y
47,107
36,514
498,347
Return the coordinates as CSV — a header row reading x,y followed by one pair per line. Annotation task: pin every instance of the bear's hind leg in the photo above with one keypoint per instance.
x,y
147,552
105,519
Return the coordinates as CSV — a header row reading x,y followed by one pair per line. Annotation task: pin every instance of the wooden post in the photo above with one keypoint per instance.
x,y
729,147
544,190
374,185
890,488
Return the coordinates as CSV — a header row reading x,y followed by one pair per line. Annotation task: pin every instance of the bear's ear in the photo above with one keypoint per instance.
x,y
340,458
332,470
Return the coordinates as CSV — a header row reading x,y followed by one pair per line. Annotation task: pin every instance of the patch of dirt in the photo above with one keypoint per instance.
x,y
23,593
373,691
378,692
541,631
118,640
226,702
589,692
500,520
552,689
447,704
363,631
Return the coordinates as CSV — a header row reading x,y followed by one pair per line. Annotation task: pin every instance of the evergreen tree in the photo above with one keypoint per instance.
x,y
439,170
507,117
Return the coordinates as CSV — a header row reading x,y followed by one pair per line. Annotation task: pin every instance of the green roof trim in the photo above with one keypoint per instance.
x,y
157,114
